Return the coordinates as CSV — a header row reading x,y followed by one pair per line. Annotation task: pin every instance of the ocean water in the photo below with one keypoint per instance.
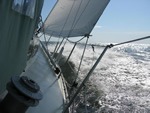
x,y
120,82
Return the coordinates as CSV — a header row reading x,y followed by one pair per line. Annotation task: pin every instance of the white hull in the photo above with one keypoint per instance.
x,y
40,71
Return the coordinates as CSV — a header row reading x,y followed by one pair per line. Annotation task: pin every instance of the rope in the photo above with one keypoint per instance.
x,y
75,41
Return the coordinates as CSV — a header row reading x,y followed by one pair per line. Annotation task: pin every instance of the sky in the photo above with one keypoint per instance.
x,y
122,20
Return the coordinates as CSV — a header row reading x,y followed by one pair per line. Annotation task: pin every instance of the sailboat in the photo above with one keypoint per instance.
x,y
31,80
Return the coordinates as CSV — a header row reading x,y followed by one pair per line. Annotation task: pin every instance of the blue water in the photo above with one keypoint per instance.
x,y
121,80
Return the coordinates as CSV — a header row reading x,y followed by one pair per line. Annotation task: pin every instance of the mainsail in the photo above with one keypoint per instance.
x,y
72,18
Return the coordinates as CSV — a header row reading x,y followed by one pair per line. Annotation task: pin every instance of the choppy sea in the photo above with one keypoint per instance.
x,y
120,82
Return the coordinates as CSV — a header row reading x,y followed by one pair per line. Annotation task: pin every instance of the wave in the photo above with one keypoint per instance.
x,y
122,77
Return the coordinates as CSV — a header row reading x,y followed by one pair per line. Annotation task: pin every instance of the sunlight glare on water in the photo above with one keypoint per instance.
x,y
123,75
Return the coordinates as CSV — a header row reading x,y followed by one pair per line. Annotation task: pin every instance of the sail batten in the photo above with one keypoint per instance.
x,y
72,18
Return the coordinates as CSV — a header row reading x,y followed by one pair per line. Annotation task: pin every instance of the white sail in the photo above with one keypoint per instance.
x,y
71,18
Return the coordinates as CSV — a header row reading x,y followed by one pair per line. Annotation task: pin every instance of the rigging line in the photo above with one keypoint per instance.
x,y
67,19
76,41
49,39
54,82
65,43
42,27
64,26
60,74
80,15
56,46
48,55
85,100
50,36
45,41
80,61
72,68
93,59
65,89
41,35
135,40
82,56
86,78
53,63
39,26
60,45
73,104
71,52
72,27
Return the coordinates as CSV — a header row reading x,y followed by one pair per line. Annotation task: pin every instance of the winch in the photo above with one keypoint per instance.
x,y
22,93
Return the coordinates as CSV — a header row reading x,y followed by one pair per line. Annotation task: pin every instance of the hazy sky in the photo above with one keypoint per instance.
x,y
122,20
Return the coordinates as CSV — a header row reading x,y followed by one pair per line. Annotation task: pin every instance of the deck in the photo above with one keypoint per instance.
x,y
40,71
